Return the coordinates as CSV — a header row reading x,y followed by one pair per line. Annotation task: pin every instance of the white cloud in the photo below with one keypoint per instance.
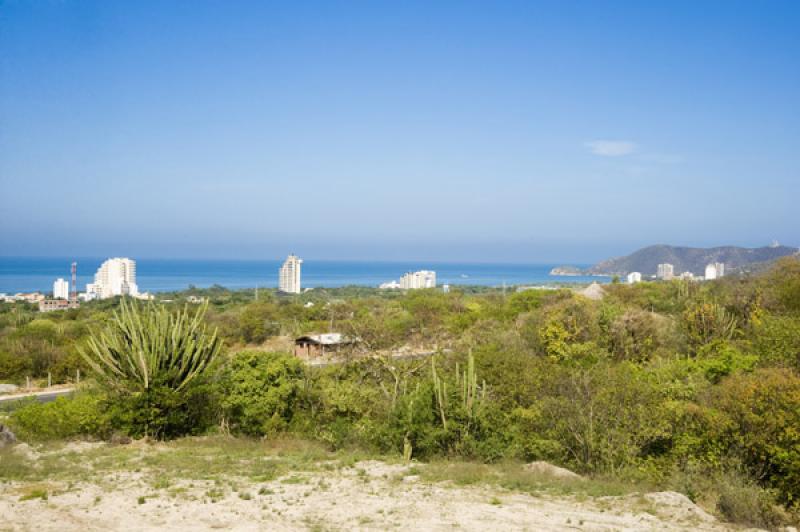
x,y
611,148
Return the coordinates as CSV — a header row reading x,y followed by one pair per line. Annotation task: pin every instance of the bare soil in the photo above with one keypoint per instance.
x,y
366,495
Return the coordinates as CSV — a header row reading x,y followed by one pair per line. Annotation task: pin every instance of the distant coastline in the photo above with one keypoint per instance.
x,y
19,274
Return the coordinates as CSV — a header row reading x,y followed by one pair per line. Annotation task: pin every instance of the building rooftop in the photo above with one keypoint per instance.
x,y
324,339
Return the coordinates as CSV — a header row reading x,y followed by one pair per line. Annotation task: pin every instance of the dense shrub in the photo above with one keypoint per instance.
x,y
637,335
163,413
602,418
776,340
261,391
84,414
782,285
259,321
761,426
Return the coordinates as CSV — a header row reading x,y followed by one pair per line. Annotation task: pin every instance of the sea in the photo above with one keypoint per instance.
x,y
24,274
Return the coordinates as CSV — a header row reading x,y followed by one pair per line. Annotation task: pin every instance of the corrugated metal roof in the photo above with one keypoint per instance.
x,y
324,339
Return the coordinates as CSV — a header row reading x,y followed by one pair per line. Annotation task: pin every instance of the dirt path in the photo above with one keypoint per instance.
x,y
371,495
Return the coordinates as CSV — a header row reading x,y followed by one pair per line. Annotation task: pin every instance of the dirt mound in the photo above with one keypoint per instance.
x,y
547,469
674,504
594,292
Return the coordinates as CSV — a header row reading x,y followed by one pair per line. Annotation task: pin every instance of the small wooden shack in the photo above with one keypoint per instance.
x,y
317,345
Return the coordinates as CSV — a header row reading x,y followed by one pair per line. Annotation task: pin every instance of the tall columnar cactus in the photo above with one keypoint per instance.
x,y
467,390
440,391
470,390
144,347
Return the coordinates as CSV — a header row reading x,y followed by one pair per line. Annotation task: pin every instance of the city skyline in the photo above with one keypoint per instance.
x,y
505,132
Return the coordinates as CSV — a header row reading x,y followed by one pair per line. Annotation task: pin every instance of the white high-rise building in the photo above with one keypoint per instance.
x,y
116,277
665,271
715,270
289,275
420,279
61,289
634,277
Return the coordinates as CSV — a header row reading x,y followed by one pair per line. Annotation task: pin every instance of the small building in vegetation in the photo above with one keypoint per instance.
x,y
317,345
49,305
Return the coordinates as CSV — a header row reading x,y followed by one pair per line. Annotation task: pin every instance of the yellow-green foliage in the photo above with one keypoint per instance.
x,y
261,391
81,415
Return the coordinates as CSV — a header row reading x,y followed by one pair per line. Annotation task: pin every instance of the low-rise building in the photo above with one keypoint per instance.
x,y
318,345
49,305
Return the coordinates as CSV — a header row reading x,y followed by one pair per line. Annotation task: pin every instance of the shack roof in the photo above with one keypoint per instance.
x,y
323,339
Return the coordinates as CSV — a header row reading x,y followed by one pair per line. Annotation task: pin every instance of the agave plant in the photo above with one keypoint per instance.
x,y
148,346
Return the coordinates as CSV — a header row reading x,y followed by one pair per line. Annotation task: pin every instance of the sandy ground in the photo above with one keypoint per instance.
x,y
370,496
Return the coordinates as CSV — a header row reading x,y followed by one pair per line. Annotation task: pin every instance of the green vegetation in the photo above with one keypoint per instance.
x,y
670,385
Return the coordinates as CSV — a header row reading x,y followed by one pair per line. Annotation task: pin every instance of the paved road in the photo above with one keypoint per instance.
x,y
42,397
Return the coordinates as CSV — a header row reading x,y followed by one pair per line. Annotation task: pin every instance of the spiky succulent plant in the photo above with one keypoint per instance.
x,y
147,346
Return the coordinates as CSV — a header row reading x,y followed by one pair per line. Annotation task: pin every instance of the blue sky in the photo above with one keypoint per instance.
x,y
486,131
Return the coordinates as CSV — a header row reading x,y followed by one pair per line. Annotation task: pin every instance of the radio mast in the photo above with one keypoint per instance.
x,y
73,297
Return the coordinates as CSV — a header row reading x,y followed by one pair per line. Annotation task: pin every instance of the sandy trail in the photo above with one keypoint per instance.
x,y
370,496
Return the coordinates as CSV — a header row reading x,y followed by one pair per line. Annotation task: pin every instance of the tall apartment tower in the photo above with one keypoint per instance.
x,y
715,270
115,277
665,271
61,289
289,275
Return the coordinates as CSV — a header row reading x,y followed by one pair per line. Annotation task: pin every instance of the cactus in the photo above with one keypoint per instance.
x,y
407,448
150,346
467,388
440,391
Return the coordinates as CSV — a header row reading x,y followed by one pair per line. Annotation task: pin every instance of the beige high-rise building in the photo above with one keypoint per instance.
x,y
665,271
115,277
715,270
61,289
420,279
289,275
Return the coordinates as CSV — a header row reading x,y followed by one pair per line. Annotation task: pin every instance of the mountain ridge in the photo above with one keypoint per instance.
x,y
684,258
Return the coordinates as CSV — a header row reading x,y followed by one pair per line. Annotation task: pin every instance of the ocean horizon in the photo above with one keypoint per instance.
x,y
28,274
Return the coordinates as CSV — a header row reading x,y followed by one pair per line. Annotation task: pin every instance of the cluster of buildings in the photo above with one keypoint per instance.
x,y
289,278
115,277
412,281
666,272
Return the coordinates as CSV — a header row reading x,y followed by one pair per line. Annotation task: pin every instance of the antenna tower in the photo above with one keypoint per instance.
x,y
74,292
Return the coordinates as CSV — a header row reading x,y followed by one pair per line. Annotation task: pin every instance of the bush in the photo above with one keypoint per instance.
x,y
261,391
743,502
602,418
84,414
150,360
776,340
163,413
755,417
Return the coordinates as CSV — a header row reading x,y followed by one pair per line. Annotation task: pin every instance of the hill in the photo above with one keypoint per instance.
x,y
646,260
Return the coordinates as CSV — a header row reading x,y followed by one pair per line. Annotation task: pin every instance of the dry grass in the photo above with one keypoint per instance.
x,y
513,476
